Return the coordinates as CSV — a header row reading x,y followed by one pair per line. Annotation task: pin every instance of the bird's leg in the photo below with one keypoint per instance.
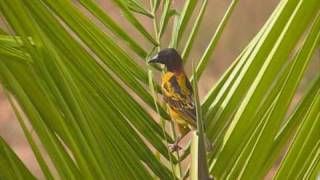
x,y
184,131
175,146
207,143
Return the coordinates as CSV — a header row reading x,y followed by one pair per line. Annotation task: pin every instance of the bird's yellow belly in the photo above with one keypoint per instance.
x,y
176,117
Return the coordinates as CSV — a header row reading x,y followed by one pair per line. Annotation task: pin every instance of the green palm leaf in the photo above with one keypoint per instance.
x,y
95,109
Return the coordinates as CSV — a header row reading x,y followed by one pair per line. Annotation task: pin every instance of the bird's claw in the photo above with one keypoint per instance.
x,y
174,147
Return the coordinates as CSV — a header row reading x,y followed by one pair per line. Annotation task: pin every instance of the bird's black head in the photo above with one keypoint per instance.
x,y
170,58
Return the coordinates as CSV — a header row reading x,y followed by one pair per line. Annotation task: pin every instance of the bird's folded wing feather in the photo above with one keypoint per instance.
x,y
180,101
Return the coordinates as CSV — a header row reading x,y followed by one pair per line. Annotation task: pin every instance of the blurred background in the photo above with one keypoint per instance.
x,y
247,19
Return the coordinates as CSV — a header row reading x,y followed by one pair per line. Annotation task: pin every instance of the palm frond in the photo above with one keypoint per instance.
x,y
92,106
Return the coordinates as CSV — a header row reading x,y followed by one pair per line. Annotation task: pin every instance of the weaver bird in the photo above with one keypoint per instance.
x,y
177,93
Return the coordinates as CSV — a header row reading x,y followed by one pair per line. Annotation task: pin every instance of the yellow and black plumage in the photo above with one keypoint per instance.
x,y
177,91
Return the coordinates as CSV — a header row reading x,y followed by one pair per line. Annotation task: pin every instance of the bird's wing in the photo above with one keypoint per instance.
x,y
179,100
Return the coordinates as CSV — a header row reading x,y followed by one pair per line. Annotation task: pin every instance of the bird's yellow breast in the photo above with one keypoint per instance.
x,y
170,91
167,86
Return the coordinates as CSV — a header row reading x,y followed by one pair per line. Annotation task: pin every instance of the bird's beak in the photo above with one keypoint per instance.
x,y
154,59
